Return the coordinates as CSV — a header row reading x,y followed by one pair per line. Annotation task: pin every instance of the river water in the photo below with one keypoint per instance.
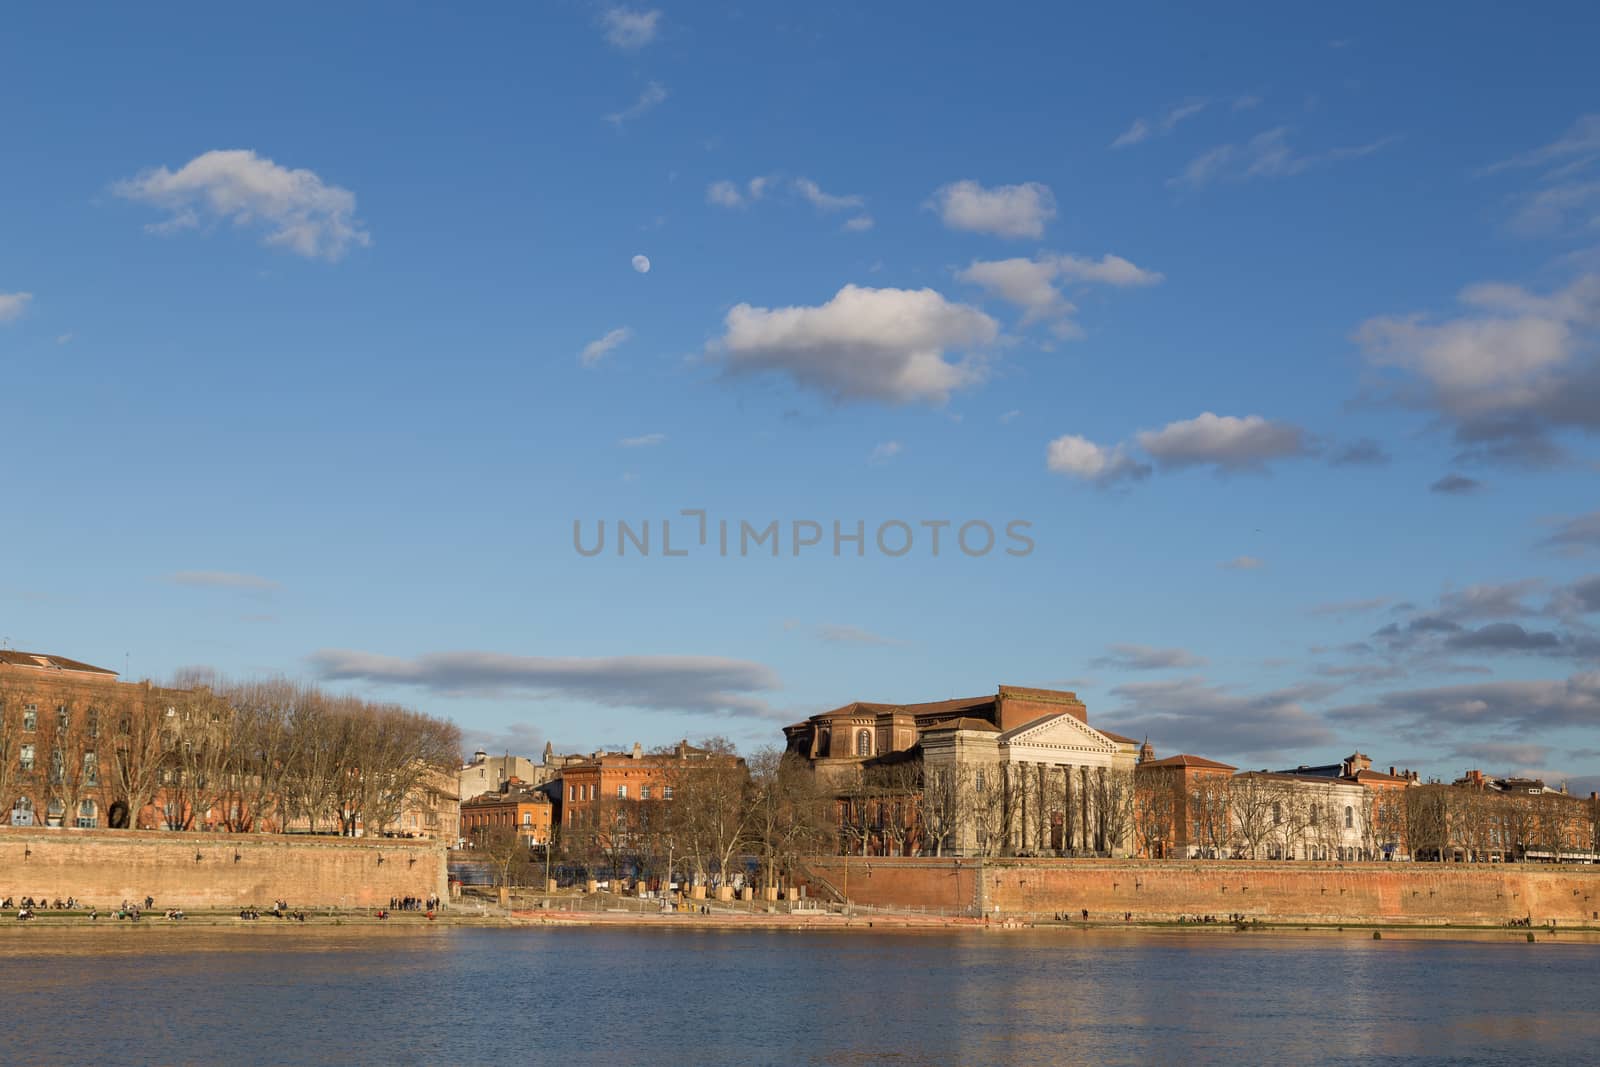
x,y
634,996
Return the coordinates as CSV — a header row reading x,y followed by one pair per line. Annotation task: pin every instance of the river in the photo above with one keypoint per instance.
x,y
623,996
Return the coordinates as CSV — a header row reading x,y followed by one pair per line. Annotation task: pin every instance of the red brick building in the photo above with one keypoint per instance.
x,y
514,806
589,787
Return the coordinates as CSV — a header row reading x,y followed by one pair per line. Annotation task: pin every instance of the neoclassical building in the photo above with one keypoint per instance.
x,y
1019,772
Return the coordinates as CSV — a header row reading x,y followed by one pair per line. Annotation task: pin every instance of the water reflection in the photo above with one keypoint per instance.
x,y
613,996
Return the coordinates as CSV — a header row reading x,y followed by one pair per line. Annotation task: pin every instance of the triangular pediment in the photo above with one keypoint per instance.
x,y
1062,733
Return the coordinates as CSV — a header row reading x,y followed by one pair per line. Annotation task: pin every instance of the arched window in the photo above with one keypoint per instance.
x,y
1349,817
86,814
863,742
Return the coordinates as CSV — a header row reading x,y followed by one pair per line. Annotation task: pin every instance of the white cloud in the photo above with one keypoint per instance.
x,y
1079,457
1266,155
1030,284
649,99
825,201
1108,270
887,451
1027,283
12,305
1225,442
731,194
1506,373
595,351
1243,563
649,440
855,635
1005,210
1011,416
707,684
859,223
295,207
630,30
222,580
1581,141
1129,657
863,344
1144,129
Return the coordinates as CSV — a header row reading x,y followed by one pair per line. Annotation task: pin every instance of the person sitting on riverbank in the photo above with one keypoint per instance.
x,y
175,914
24,914
249,913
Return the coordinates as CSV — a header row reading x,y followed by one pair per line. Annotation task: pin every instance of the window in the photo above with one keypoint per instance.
x,y
91,723
644,792
63,719
622,792
86,815
1349,817
978,783
572,792
53,812
91,769
30,717
1277,813
863,742
26,760
666,792
58,766
1313,815
527,818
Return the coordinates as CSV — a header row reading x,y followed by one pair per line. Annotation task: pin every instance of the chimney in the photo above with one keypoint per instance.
x,y
1391,772
638,752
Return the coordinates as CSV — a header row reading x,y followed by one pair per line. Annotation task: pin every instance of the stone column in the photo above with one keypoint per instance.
x,y
1042,810
1085,801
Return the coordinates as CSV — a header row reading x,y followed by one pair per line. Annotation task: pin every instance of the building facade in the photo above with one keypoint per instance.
x,y
516,806
1019,772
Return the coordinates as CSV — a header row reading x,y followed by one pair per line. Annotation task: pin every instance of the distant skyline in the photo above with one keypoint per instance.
x,y
1277,328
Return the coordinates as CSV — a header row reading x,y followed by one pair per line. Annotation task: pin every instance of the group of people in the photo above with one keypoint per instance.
x,y
42,904
1233,917
430,903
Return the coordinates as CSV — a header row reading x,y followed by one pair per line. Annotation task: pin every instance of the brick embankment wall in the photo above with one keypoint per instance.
x,y
1397,893
105,867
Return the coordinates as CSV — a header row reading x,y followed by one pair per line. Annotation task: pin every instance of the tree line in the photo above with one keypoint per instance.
x,y
729,818
208,753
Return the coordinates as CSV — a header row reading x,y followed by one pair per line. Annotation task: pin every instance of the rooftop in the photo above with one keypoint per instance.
x,y
41,661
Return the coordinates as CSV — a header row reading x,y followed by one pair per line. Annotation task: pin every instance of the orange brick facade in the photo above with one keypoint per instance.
x,y
1397,893
216,870
526,811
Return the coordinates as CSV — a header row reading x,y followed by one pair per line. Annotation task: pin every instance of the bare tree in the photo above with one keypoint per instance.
x,y
135,754
12,738
506,853
1157,793
1428,814
1255,797
1114,801
941,808
1209,796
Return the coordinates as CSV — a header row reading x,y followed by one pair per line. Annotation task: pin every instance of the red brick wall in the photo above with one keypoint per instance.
x,y
106,867
1281,892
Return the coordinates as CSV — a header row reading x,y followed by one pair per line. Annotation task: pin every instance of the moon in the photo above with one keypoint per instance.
x,y
641,264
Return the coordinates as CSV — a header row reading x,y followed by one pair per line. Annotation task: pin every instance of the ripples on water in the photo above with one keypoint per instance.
x,y
578,996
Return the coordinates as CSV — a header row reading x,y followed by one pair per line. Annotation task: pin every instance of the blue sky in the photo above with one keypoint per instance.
x,y
1278,329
